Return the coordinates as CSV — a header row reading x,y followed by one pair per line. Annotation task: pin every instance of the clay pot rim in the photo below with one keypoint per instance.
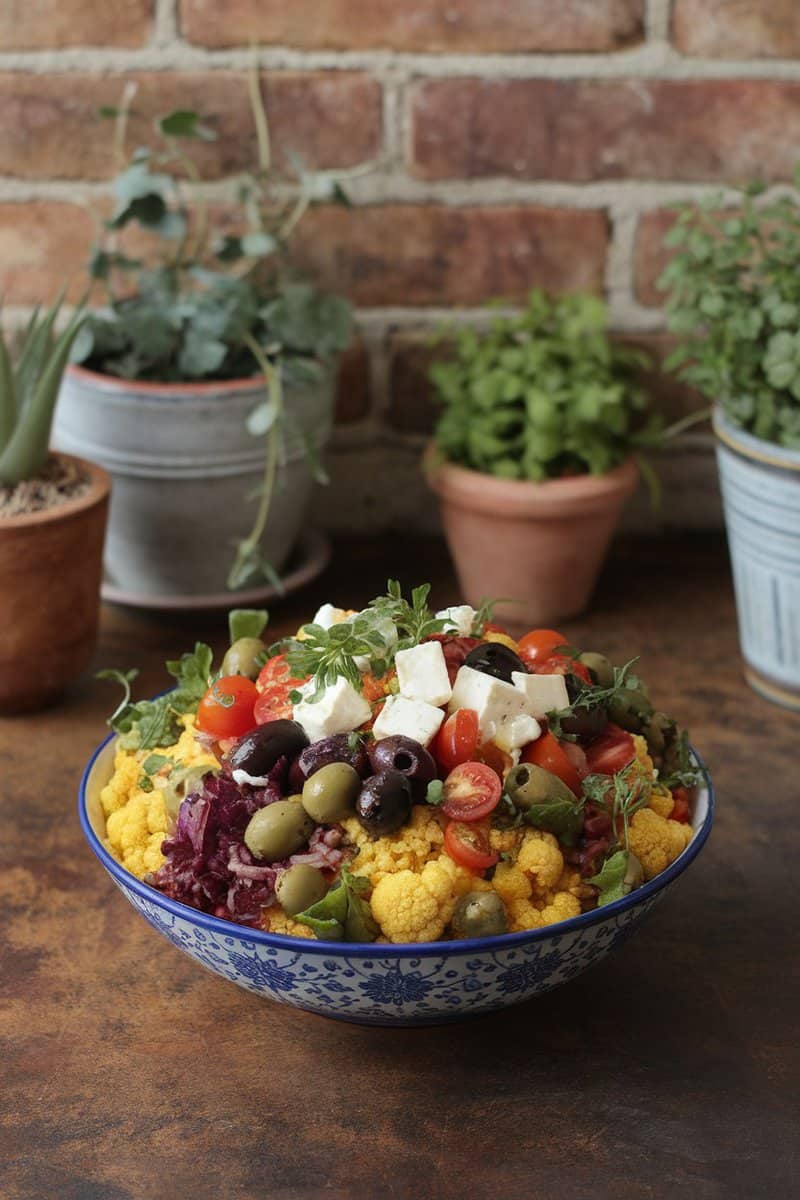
x,y
524,497
113,383
99,488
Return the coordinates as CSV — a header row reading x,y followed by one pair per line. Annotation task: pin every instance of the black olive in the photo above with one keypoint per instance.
x,y
259,750
403,754
493,658
384,802
340,747
586,723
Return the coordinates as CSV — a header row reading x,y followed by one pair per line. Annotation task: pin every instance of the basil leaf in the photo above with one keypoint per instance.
x,y
611,878
562,817
247,622
192,672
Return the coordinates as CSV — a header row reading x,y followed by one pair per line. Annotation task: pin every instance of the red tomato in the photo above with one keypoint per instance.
x,y
491,754
610,752
493,627
576,756
562,664
680,810
457,740
468,845
274,684
226,710
547,752
538,645
471,791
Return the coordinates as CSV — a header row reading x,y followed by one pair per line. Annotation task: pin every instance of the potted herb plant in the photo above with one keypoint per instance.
x,y
535,453
734,301
205,385
52,520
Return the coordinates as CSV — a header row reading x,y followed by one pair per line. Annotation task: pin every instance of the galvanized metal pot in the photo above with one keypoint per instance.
x,y
761,494
187,473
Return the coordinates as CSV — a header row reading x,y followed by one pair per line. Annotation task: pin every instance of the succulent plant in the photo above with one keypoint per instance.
x,y
29,390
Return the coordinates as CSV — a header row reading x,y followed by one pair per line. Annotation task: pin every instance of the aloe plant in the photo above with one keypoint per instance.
x,y
28,393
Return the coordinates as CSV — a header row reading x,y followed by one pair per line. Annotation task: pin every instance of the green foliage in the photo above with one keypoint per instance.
x,y
343,913
611,878
144,724
735,302
543,394
28,393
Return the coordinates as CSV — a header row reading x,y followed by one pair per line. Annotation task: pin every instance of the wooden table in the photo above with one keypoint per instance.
x,y
670,1070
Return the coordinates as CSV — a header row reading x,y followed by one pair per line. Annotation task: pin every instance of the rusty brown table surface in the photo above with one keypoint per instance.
x,y
669,1070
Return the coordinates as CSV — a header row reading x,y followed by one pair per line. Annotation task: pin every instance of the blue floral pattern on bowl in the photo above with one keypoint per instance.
x,y
386,984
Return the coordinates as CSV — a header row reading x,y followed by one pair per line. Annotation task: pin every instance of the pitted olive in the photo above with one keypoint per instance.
x,y
244,657
586,723
299,887
493,658
384,802
629,708
529,785
403,754
330,793
278,830
479,914
600,668
659,730
257,752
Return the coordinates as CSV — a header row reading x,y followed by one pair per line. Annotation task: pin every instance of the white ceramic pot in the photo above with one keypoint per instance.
x,y
761,494
186,473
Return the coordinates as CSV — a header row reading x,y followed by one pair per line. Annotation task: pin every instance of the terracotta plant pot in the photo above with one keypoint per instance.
x,y
50,568
539,546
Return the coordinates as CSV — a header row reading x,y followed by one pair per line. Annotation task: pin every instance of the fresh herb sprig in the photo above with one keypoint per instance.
x,y
414,621
679,768
621,796
143,724
590,697
325,654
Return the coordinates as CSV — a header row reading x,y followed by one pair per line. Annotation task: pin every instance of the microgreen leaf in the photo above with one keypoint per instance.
x,y
611,878
247,623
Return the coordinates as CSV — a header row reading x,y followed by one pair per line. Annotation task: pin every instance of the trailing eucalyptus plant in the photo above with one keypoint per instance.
x,y
208,303
735,303
543,394
28,393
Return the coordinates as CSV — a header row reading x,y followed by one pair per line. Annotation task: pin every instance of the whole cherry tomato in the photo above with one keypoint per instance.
x,y
226,710
538,645
547,752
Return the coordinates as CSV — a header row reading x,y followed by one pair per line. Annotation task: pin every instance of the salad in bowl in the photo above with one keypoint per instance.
x,y
397,776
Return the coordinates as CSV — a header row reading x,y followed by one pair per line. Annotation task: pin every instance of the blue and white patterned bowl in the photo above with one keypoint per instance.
x,y
384,984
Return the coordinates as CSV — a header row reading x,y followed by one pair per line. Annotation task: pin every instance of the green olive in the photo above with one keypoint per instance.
x,y
528,785
244,658
330,793
299,887
634,876
599,666
630,709
182,782
278,830
658,730
479,914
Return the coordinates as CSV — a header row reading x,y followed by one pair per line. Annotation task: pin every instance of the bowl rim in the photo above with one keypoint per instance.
x,y
281,941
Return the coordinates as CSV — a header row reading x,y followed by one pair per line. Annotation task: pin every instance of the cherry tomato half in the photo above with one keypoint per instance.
x,y
610,752
226,710
538,645
471,791
680,809
563,664
547,752
468,845
274,684
491,754
457,740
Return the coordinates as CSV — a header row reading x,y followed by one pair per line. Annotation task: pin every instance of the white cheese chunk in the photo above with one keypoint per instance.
x,y
495,701
422,673
328,615
412,718
459,618
517,732
544,693
240,777
340,709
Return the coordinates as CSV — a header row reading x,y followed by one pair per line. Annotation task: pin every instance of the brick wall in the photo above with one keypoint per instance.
x,y
510,143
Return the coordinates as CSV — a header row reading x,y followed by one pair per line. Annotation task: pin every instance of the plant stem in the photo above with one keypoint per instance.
x,y
259,116
684,423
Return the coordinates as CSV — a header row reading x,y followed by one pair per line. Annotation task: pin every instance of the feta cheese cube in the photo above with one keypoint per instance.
x,y
544,693
412,718
327,615
495,701
519,731
459,618
422,673
340,709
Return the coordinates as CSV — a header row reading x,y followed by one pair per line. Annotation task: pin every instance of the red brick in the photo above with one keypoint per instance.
x,y
43,245
412,402
353,388
578,131
737,28
651,256
429,255
49,127
55,24
484,26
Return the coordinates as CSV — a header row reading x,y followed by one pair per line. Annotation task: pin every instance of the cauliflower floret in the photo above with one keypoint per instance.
x,y
505,841
657,842
415,908
643,759
523,915
661,801
135,832
275,920
511,883
407,850
539,856
561,907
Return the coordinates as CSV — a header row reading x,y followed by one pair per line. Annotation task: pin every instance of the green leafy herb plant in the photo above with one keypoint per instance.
x,y
734,301
214,298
